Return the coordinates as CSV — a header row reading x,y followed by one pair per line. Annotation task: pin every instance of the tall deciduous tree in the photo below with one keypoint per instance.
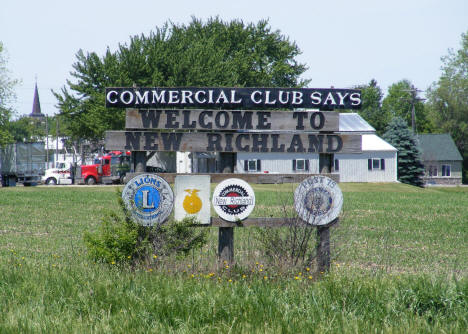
x,y
448,99
410,167
371,109
7,96
398,103
214,53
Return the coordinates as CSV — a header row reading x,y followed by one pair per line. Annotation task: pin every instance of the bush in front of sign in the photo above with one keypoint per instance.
x,y
119,240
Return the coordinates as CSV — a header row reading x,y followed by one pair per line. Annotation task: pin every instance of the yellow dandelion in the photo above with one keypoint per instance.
x,y
260,270
296,277
310,277
230,281
261,266
188,265
22,258
155,256
307,269
150,270
113,262
129,257
227,267
265,277
243,276
192,275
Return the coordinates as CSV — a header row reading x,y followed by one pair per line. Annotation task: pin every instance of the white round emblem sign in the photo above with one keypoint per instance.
x,y
318,200
149,199
233,200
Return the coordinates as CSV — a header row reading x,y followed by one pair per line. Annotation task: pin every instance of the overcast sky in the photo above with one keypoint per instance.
x,y
344,43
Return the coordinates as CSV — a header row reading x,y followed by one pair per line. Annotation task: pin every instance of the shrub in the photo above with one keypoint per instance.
x,y
120,240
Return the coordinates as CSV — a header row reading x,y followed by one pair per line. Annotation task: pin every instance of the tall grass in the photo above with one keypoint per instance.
x,y
400,265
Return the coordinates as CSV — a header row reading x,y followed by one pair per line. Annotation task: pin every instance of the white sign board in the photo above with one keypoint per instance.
x,y
192,197
233,200
149,199
318,200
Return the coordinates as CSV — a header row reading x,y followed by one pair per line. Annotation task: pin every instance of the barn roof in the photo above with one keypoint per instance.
x,y
352,122
372,142
436,147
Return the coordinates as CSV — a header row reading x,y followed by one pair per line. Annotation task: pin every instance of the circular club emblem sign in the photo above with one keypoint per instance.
x,y
233,199
318,200
149,199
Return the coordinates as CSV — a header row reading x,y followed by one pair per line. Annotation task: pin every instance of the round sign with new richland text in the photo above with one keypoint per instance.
x,y
318,200
233,200
149,199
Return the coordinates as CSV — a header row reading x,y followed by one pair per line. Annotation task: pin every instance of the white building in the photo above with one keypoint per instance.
x,y
376,163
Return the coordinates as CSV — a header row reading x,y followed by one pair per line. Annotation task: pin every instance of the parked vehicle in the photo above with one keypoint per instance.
x,y
108,169
60,174
22,163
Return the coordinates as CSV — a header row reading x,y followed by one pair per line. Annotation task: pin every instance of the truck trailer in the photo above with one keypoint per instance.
x,y
22,163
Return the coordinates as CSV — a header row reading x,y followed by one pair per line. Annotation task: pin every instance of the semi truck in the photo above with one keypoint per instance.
x,y
60,174
108,169
22,163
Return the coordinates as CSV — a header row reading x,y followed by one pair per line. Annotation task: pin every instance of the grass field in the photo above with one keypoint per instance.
x,y
400,264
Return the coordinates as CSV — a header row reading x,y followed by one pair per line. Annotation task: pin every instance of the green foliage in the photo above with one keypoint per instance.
x,y
120,240
448,99
398,103
211,53
179,237
116,241
371,109
7,95
410,168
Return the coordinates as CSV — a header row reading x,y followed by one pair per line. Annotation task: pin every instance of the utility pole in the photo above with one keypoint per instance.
x,y
57,137
414,98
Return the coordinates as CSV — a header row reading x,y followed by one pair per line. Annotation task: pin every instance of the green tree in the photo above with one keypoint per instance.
x,y
371,109
26,129
410,167
211,53
448,99
7,96
398,103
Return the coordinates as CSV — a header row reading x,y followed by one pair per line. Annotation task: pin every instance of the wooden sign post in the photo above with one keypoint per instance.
x,y
229,127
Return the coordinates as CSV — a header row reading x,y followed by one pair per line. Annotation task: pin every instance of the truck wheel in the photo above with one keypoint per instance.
x,y
90,181
51,181
27,184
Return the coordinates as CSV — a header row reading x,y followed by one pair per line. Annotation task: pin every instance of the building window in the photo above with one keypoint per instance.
x,y
300,165
252,165
432,171
374,164
337,165
445,170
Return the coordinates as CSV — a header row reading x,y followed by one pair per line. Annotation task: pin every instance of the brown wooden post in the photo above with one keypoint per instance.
x,y
139,161
323,232
226,244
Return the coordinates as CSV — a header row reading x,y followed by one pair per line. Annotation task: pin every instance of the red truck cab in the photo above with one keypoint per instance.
x,y
110,168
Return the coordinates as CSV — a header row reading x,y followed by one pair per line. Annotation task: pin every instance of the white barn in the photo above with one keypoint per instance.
x,y
376,163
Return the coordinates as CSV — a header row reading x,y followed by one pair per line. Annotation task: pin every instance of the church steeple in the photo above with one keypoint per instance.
x,y
36,110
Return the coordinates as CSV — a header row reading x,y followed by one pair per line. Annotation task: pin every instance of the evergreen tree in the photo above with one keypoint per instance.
x,y
410,167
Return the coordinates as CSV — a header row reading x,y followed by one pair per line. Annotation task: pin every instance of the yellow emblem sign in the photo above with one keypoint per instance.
x,y
192,203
